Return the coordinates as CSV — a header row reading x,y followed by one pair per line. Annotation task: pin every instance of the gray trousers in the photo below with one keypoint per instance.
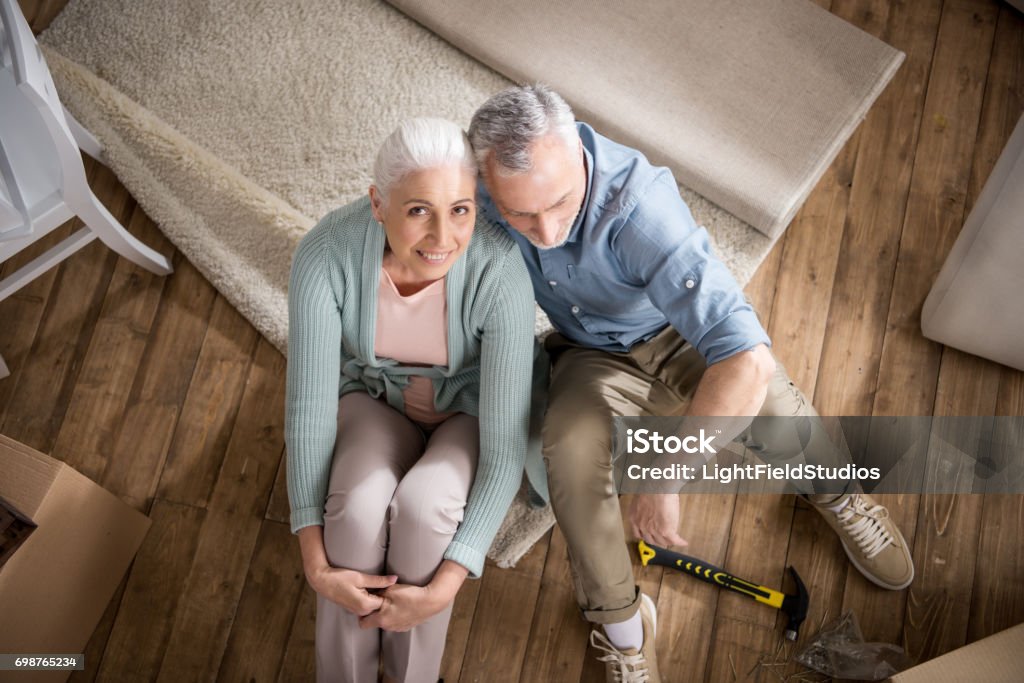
x,y
393,505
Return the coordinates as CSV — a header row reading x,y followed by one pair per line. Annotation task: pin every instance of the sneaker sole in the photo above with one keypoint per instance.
x,y
867,575
653,610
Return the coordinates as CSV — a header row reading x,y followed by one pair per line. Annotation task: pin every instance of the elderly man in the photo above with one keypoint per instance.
x,y
647,320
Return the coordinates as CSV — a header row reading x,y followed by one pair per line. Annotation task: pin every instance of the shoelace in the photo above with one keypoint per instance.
x,y
631,668
864,525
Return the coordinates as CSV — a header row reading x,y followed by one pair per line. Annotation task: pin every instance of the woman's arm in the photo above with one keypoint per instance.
x,y
313,376
506,368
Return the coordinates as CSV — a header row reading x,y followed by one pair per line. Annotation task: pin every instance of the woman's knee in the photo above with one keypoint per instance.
x,y
430,500
355,527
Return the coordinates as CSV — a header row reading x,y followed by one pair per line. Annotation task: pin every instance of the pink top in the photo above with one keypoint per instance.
x,y
413,330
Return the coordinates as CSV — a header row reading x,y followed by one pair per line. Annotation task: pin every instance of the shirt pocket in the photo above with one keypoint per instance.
x,y
606,295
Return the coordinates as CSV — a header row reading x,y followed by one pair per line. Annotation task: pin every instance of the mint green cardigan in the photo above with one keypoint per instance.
x,y
332,309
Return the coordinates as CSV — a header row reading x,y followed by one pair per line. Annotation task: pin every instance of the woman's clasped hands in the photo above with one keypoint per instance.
x,y
382,602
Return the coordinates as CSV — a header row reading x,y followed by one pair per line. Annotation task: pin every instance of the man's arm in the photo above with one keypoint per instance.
x,y
734,387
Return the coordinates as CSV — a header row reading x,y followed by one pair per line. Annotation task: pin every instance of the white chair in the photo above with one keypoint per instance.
x,y
42,179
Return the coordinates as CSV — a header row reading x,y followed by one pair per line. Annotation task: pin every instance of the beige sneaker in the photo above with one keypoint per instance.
x,y
631,666
871,539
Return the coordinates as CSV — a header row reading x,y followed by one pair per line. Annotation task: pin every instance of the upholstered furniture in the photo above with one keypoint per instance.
x,y
747,101
977,302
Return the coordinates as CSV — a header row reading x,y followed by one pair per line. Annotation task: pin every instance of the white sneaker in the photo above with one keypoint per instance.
x,y
631,666
871,539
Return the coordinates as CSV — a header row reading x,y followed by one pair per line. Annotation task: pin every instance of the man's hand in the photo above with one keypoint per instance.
x,y
350,589
404,607
654,517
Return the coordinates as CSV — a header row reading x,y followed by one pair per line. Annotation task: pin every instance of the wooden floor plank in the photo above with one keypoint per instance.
x,y
878,206
687,608
997,596
949,526
231,527
997,600
848,369
279,509
209,411
558,635
111,363
98,641
938,193
138,640
508,597
47,376
160,387
266,610
757,548
804,287
459,629
760,291
299,662
939,599
23,310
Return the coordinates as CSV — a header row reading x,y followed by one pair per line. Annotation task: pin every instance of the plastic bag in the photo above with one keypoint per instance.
x,y
839,651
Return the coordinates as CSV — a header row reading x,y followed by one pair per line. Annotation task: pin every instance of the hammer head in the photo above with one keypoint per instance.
x,y
795,606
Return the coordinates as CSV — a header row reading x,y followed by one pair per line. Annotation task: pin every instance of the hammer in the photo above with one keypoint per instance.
x,y
795,606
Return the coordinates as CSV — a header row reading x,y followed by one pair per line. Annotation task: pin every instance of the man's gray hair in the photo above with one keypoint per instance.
x,y
418,144
509,122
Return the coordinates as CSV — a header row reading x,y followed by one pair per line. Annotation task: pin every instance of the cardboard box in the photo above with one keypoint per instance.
x,y
996,659
13,532
56,585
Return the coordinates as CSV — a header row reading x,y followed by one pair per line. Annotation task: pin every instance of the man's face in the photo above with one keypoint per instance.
x,y
542,203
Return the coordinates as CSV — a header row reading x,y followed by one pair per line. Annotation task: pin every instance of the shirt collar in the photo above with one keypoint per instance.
x,y
577,226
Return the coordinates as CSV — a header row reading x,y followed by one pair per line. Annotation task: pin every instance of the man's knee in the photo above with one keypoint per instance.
x,y
785,424
577,447
784,398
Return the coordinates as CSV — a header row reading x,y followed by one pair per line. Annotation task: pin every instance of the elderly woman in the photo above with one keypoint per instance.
x,y
409,363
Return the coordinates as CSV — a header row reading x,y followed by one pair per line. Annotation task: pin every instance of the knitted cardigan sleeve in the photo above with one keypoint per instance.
x,y
314,369
506,364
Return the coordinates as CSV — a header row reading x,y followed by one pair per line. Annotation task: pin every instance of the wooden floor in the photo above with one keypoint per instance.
x,y
160,391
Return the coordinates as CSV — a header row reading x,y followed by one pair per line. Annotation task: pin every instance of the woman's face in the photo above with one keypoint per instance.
x,y
428,218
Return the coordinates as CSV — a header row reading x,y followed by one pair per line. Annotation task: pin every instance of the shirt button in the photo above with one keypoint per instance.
x,y
552,282
575,309
690,284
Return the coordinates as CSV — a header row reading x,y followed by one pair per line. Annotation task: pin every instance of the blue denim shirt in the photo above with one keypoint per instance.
x,y
635,261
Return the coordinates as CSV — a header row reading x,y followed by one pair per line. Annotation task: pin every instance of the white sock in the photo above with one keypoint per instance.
x,y
837,506
628,634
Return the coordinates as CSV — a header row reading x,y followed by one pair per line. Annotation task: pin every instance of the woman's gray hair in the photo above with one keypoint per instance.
x,y
417,144
509,122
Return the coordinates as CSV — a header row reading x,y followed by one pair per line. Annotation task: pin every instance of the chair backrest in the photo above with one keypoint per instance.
x,y
41,162
27,63
14,216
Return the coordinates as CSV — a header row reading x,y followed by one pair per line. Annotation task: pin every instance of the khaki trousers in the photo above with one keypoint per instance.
x,y
393,506
658,377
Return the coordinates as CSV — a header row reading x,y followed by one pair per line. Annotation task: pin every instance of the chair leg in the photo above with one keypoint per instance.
x,y
113,234
45,261
86,141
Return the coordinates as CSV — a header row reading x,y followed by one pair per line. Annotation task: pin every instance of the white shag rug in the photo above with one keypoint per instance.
x,y
236,125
